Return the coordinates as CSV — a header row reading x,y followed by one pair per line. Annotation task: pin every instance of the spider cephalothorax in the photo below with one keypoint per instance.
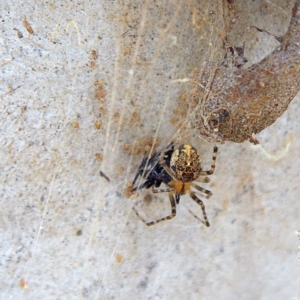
x,y
178,169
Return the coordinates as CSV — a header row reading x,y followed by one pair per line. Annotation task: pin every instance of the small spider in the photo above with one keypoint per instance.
x,y
178,169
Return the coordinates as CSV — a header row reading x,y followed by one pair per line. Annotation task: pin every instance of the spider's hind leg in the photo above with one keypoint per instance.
x,y
169,217
196,199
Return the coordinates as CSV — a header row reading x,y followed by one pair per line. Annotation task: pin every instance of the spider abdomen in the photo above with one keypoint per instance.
x,y
186,163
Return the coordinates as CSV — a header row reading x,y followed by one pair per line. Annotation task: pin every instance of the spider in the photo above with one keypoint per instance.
x,y
178,169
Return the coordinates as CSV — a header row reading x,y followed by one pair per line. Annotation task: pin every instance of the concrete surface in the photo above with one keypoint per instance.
x,y
67,233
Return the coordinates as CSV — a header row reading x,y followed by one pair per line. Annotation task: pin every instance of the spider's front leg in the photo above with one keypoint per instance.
x,y
213,164
207,193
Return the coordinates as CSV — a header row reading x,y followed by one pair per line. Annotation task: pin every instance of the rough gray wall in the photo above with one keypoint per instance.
x,y
66,233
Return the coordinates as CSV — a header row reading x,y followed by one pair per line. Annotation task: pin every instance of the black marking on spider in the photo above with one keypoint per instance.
x,y
152,171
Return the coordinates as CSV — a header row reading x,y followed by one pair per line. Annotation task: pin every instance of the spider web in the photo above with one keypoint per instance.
x,y
95,86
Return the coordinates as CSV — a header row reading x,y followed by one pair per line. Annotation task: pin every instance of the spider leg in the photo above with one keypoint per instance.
x,y
196,199
204,191
203,179
171,216
177,198
213,164
196,217
162,190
